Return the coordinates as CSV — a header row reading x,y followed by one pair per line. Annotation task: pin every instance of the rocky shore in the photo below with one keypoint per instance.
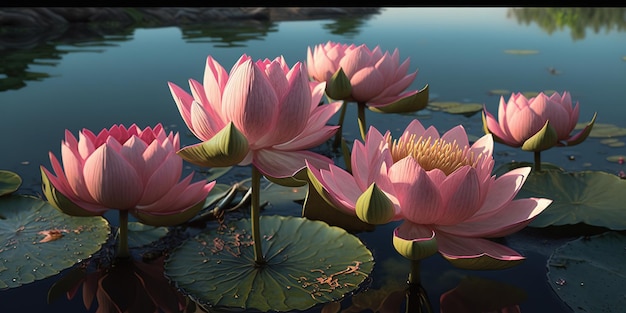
x,y
54,17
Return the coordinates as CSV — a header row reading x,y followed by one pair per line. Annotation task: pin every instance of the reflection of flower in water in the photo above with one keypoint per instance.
x,y
129,286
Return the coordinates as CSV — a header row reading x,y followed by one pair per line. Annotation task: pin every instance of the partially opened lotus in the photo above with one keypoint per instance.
x,y
441,187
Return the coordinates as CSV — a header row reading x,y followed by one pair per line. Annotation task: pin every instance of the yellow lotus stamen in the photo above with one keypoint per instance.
x,y
432,154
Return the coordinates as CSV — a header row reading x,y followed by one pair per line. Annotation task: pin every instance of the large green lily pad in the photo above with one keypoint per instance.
x,y
38,241
141,234
591,197
308,263
9,182
602,130
589,273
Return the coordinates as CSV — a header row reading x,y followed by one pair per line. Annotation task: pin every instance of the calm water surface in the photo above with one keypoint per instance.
x,y
459,52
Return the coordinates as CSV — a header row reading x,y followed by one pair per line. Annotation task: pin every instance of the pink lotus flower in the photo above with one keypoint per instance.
x,y
441,186
522,122
262,113
375,78
134,170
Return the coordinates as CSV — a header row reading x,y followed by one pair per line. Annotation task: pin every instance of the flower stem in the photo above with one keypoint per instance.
x,y
255,215
122,243
339,133
361,118
416,296
537,161
414,275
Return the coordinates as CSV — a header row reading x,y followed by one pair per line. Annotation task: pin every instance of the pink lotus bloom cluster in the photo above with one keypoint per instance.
x,y
376,77
275,107
125,169
440,186
520,118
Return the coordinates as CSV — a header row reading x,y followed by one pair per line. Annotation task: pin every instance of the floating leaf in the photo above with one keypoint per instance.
x,y
506,167
440,105
141,234
616,158
9,182
603,130
25,254
521,52
590,197
588,273
499,92
306,265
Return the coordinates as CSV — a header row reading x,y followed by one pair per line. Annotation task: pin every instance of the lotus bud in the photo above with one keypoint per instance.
x,y
339,87
544,139
415,250
227,148
374,207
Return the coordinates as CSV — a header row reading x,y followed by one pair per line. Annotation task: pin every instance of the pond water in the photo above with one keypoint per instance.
x,y
463,54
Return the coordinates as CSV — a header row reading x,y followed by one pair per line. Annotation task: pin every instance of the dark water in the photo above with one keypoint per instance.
x,y
96,80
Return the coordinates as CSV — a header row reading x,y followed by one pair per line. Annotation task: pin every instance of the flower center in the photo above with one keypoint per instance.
x,y
432,154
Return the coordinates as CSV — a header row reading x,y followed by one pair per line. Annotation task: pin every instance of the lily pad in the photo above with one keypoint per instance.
x,y
591,197
521,52
9,182
499,92
506,167
38,241
588,273
616,158
601,130
453,107
141,234
308,263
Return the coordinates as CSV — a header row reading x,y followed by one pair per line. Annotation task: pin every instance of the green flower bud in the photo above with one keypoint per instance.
x,y
374,207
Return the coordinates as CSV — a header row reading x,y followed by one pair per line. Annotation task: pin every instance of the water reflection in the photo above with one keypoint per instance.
x,y
21,49
347,26
576,19
127,285
228,34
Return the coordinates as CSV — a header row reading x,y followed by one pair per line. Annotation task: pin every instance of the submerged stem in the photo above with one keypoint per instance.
x,y
361,119
122,243
416,296
339,133
537,161
255,215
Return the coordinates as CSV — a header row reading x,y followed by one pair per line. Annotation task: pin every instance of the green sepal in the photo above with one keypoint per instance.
x,y
483,262
168,219
584,133
409,104
374,207
59,201
227,148
544,139
415,249
339,87
318,206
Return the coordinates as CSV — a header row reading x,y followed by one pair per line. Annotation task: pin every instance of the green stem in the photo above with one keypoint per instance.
x,y
339,133
255,215
416,296
122,243
537,161
414,275
361,118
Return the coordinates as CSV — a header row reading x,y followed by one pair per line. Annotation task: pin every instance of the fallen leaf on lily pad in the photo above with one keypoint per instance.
x,y
38,241
9,182
591,197
303,269
588,273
